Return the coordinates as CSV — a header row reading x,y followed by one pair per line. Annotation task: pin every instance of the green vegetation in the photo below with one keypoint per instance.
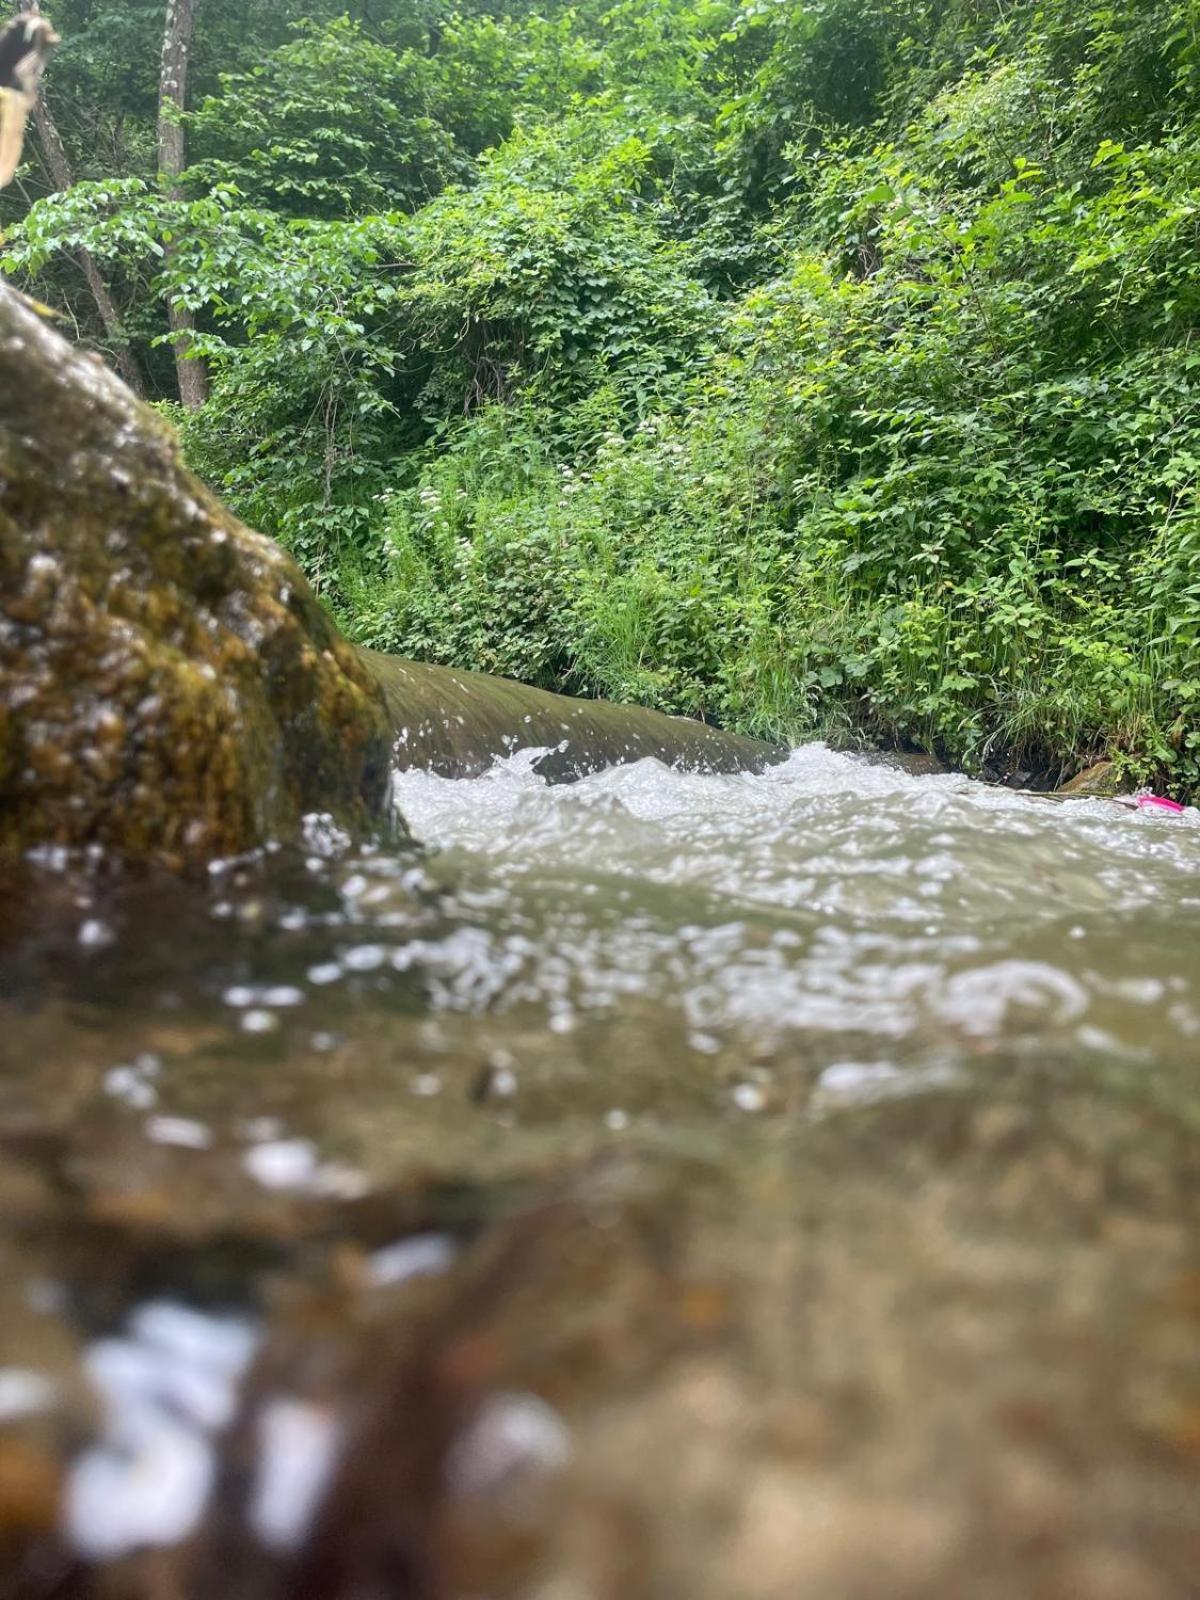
x,y
819,366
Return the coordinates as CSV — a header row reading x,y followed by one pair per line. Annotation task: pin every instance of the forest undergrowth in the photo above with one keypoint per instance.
x,y
814,368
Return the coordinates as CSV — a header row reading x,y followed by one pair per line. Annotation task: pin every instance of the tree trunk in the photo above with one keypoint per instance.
x,y
172,96
60,175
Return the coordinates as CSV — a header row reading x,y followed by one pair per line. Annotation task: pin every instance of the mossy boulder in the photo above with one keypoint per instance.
x,y
169,685
457,723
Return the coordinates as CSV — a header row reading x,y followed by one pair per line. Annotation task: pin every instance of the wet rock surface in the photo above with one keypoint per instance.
x,y
1100,779
169,685
457,723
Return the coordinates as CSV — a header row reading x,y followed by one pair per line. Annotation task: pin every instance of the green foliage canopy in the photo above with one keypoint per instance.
x,y
819,366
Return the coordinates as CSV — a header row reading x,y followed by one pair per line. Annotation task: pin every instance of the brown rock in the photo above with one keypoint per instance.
x,y
1099,780
169,685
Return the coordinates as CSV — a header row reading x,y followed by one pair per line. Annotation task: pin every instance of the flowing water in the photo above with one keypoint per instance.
x,y
660,1185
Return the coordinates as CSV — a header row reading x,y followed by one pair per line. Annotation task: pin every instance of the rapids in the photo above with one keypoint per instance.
x,y
844,899
724,1185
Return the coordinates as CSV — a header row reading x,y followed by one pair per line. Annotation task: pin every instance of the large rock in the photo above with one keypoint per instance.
x,y
170,686
457,723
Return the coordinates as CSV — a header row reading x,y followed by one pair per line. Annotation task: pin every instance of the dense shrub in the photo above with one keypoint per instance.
x,y
821,366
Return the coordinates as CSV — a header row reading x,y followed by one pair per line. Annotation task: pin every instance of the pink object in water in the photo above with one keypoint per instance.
x,y
1157,802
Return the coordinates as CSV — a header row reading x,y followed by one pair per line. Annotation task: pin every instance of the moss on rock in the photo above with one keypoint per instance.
x,y
169,685
457,723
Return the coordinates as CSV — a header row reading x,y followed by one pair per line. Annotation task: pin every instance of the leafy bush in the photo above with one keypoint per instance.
x,y
332,124
806,367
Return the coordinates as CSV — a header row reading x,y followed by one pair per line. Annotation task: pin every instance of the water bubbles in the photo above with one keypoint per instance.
x,y
424,1255
980,1001
298,1447
24,1393
513,1435
282,994
54,858
127,1084
183,1132
295,1165
146,1490
749,1097
282,1163
259,1020
1144,991
364,957
503,1084
135,1084
322,836
852,1082
168,1383
95,934
262,995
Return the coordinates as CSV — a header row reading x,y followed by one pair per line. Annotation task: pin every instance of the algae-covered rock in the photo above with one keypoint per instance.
x,y
169,685
457,723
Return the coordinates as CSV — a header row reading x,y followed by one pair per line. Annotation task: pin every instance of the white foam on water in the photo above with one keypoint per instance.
x,y
147,1489
828,894
424,1255
512,1434
298,1447
24,1393
169,1385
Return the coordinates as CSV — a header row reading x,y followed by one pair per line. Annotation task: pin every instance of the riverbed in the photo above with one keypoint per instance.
x,y
656,1185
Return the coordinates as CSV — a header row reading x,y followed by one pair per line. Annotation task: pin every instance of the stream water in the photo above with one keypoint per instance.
x,y
660,1185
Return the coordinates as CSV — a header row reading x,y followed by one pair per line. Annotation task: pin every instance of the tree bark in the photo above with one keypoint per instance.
x,y
60,175
190,370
